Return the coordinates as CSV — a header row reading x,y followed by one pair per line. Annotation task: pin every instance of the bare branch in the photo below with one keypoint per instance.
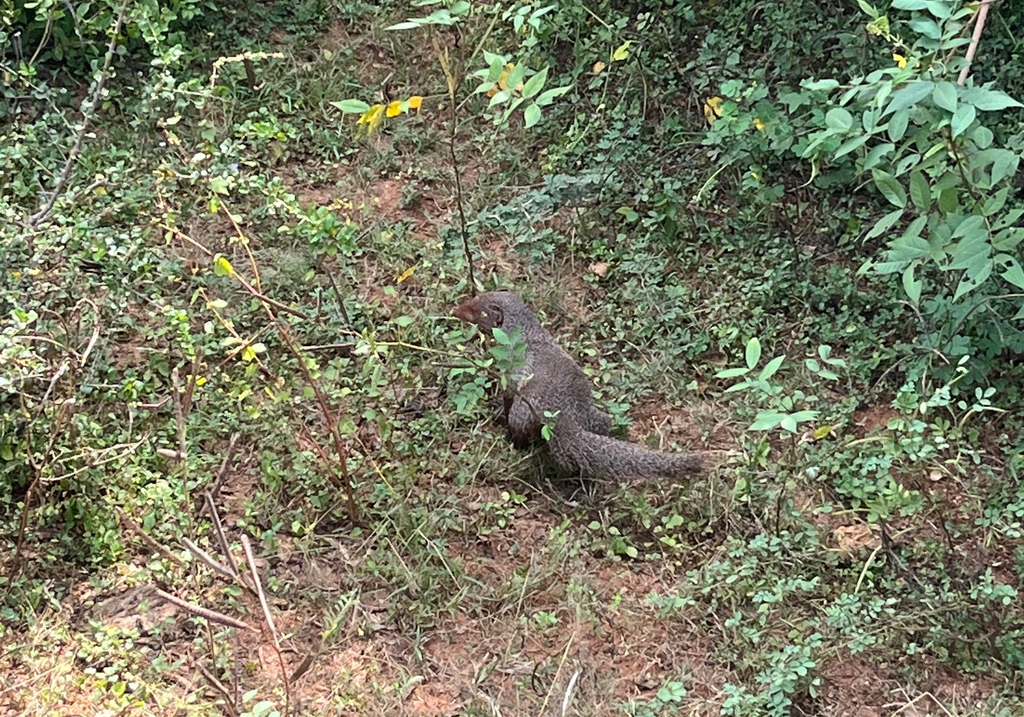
x,y
88,113
210,615
979,25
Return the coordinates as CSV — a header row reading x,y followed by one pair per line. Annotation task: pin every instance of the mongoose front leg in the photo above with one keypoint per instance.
x,y
522,428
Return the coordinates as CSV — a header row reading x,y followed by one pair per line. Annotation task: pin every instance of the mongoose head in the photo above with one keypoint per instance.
x,y
489,310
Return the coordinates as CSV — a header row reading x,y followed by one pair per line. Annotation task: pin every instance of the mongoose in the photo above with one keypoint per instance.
x,y
549,381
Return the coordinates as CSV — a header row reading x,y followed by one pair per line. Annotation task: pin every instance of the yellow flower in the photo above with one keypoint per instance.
x,y
759,124
713,109
372,118
899,59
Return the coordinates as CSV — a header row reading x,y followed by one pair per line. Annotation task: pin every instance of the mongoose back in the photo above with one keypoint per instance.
x,y
550,381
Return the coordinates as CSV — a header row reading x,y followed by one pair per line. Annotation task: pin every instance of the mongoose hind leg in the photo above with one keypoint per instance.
x,y
597,421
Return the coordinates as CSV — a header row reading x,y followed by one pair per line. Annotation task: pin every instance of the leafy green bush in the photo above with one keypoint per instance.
x,y
931,148
73,34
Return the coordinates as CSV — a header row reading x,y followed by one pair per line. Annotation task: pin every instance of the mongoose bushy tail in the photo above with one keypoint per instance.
x,y
549,381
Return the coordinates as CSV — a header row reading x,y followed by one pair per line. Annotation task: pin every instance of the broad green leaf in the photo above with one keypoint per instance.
x,y
972,227
1013,272
497,66
939,8
944,94
770,368
731,372
439,17
548,96
1004,165
851,144
882,96
890,188
839,119
898,125
738,387
909,95
352,107
1008,239
988,100
912,285
511,108
908,248
909,4
817,85
867,9
920,192
515,77
883,224
949,178
995,202
499,97
794,100
981,136
753,352
962,119
788,423
766,420
535,84
949,202
483,87
882,267
532,115
869,120
875,154
973,256
907,163
939,146
927,27
969,283
913,230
